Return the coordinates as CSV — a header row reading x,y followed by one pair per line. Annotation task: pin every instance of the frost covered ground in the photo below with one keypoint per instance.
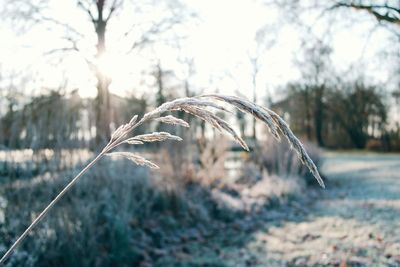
x,y
354,222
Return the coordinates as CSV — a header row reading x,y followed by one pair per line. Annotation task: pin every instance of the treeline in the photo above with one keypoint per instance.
x,y
333,115
60,120
340,110
341,114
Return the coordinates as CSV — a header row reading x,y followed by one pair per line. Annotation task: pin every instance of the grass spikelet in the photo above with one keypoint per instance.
x,y
173,120
135,158
250,108
155,137
179,103
132,141
216,122
133,120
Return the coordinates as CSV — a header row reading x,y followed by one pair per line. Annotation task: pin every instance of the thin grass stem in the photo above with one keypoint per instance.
x,y
48,207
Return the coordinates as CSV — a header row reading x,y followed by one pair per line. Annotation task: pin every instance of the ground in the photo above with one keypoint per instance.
x,y
354,222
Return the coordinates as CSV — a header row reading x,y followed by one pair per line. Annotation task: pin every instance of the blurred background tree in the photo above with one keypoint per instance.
x,y
98,14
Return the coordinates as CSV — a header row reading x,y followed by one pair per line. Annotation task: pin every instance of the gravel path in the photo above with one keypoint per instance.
x,y
355,222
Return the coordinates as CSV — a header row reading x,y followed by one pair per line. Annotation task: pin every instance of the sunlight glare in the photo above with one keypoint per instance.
x,y
108,66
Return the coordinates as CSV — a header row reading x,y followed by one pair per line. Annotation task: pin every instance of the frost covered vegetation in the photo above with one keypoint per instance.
x,y
196,106
122,215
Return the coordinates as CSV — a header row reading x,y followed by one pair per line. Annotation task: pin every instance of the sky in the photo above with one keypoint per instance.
x,y
219,41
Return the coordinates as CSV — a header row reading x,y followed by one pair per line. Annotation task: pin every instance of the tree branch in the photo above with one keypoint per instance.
x,y
373,10
115,5
155,29
87,10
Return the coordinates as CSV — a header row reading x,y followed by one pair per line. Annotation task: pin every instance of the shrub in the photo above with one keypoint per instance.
x,y
278,159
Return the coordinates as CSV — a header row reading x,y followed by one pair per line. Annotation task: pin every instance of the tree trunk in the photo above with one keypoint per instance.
x,y
307,115
103,107
358,138
160,85
254,101
319,115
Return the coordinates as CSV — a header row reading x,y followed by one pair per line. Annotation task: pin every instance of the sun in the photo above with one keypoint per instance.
x,y
119,68
109,65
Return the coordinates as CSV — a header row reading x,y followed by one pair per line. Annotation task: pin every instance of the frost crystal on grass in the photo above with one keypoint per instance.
x,y
155,137
172,120
135,158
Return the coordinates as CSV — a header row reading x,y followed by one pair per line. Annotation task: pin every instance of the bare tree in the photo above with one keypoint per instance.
x,y
262,42
100,20
99,13
360,110
159,74
315,68
189,71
